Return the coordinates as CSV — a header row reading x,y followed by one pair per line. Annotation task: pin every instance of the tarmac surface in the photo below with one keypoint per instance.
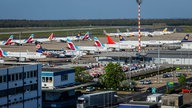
x,y
59,45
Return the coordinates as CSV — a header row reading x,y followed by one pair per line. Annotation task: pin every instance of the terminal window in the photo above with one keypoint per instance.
x,y
47,79
64,77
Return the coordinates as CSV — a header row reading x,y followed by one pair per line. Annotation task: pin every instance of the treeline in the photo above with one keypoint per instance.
x,y
103,22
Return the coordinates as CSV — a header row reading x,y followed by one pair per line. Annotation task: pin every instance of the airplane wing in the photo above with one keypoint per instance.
x,y
74,53
64,39
41,40
87,48
22,56
25,41
19,42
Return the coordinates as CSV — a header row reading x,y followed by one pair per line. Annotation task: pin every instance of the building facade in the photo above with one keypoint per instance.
x,y
173,57
172,101
20,86
58,87
55,77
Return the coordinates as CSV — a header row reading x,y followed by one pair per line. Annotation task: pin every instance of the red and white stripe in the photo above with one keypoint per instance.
x,y
139,30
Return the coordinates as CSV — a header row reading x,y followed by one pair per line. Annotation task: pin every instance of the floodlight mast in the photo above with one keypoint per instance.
x,y
139,25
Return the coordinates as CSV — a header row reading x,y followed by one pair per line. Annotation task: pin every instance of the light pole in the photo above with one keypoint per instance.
x,y
139,25
158,63
173,62
118,54
19,46
188,59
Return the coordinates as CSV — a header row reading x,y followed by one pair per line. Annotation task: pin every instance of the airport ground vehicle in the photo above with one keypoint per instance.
x,y
166,75
154,98
138,105
149,90
187,88
89,89
145,82
178,74
100,99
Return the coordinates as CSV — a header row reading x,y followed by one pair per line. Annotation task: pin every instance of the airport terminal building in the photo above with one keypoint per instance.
x,y
176,57
181,56
20,86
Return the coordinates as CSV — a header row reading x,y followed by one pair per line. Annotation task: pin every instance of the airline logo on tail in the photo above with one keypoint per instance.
x,y
186,37
9,41
86,36
41,50
30,39
98,43
131,34
110,40
78,35
3,53
165,30
51,36
71,45
121,38
38,46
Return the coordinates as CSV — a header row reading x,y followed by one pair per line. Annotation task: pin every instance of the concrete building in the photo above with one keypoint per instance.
x,y
172,101
186,45
172,57
122,57
161,55
56,87
139,104
181,56
57,77
20,86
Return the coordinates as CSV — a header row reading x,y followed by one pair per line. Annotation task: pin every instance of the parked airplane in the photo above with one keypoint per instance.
x,y
164,32
111,45
186,38
72,53
41,40
25,41
170,32
118,33
89,49
8,42
50,52
22,56
154,42
73,38
85,37
58,53
128,33
142,33
146,33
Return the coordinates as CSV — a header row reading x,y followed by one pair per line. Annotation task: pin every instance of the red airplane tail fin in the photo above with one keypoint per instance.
x,y
110,40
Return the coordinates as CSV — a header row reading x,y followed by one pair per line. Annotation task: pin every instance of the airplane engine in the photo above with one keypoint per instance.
x,y
21,59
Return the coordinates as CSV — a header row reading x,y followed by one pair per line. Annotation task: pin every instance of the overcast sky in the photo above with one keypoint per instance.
x,y
93,9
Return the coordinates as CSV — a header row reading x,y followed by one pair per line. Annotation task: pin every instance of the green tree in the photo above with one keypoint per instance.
x,y
113,76
182,80
81,75
85,77
78,73
128,84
